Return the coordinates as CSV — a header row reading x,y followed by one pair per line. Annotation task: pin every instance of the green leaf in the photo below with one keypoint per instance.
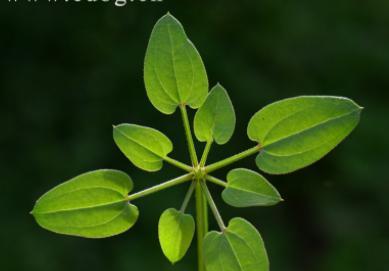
x,y
145,147
175,230
248,188
297,132
215,120
91,205
174,72
239,248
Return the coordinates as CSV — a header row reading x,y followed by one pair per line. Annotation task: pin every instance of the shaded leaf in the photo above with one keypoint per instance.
x,y
239,248
173,71
175,231
91,205
145,147
297,132
215,120
248,188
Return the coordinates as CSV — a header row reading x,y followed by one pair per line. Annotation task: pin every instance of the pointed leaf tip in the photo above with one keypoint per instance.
x,y
247,188
297,132
174,73
145,147
215,120
91,205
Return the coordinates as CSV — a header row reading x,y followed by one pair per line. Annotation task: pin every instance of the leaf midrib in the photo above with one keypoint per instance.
x,y
97,225
173,63
255,193
247,245
329,120
140,145
106,204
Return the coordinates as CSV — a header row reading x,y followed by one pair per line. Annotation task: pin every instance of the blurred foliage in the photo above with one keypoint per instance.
x,y
71,70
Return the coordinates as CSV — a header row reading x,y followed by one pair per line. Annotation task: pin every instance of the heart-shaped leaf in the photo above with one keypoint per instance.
x,y
215,120
239,248
174,72
297,132
175,230
145,147
91,205
248,188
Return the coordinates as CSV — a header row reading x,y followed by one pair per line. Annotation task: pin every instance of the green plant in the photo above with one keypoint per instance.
x,y
288,135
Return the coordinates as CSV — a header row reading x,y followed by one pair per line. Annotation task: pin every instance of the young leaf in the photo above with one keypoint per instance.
x,y
238,248
215,120
174,73
91,205
248,188
175,230
145,147
297,132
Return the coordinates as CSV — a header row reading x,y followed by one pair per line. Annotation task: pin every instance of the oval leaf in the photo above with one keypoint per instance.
x,y
297,132
175,230
91,205
215,120
174,73
248,188
145,147
239,248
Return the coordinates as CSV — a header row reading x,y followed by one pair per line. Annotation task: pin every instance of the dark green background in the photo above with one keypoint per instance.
x,y
70,71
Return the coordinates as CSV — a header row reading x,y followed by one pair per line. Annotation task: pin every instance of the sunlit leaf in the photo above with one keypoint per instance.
x,y
91,205
175,231
174,72
145,147
215,120
238,248
248,188
297,132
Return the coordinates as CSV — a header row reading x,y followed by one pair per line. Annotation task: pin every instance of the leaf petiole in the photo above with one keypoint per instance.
x,y
188,196
189,137
205,153
232,159
216,181
213,207
159,187
177,163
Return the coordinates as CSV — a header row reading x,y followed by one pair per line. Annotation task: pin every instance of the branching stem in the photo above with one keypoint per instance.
x,y
201,211
159,187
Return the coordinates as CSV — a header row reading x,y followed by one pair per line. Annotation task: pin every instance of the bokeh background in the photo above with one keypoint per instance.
x,y
68,71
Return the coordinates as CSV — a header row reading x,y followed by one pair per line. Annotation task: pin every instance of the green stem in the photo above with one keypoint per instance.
x,y
213,207
216,181
177,164
202,164
160,187
188,196
232,159
205,153
205,213
200,225
189,138
201,212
